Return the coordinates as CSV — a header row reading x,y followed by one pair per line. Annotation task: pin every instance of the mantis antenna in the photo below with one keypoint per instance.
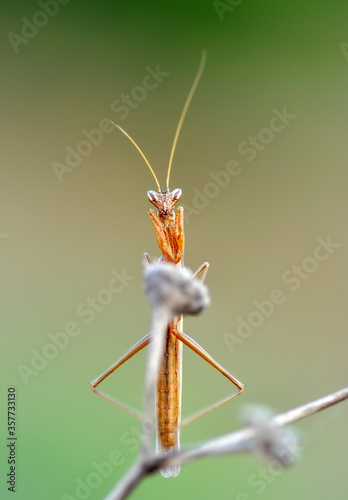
x,y
184,111
140,151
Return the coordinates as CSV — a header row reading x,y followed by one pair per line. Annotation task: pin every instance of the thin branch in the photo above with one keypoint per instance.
x,y
172,292
311,408
159,328
241,441
127,483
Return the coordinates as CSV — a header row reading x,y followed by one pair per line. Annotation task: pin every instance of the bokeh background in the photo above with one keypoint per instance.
x,y
62,238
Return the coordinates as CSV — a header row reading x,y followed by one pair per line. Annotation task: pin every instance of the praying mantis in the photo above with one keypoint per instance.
x,y
168,226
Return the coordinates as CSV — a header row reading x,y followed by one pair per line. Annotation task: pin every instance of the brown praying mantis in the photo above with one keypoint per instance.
x,y
169,231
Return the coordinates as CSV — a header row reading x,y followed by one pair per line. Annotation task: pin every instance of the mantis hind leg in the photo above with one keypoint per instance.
x,y
192,344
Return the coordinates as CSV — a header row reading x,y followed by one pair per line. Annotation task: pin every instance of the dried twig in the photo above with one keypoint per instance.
x,y
171,292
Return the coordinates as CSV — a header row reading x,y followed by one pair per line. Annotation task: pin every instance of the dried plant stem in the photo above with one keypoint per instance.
x,y
128,483
242,441
161,318
237,442
165,282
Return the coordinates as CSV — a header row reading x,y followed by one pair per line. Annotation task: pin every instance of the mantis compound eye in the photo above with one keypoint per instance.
x,y
176,195
153,198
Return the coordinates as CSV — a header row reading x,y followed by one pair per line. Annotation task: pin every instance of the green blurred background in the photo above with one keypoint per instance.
x,y
60,241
